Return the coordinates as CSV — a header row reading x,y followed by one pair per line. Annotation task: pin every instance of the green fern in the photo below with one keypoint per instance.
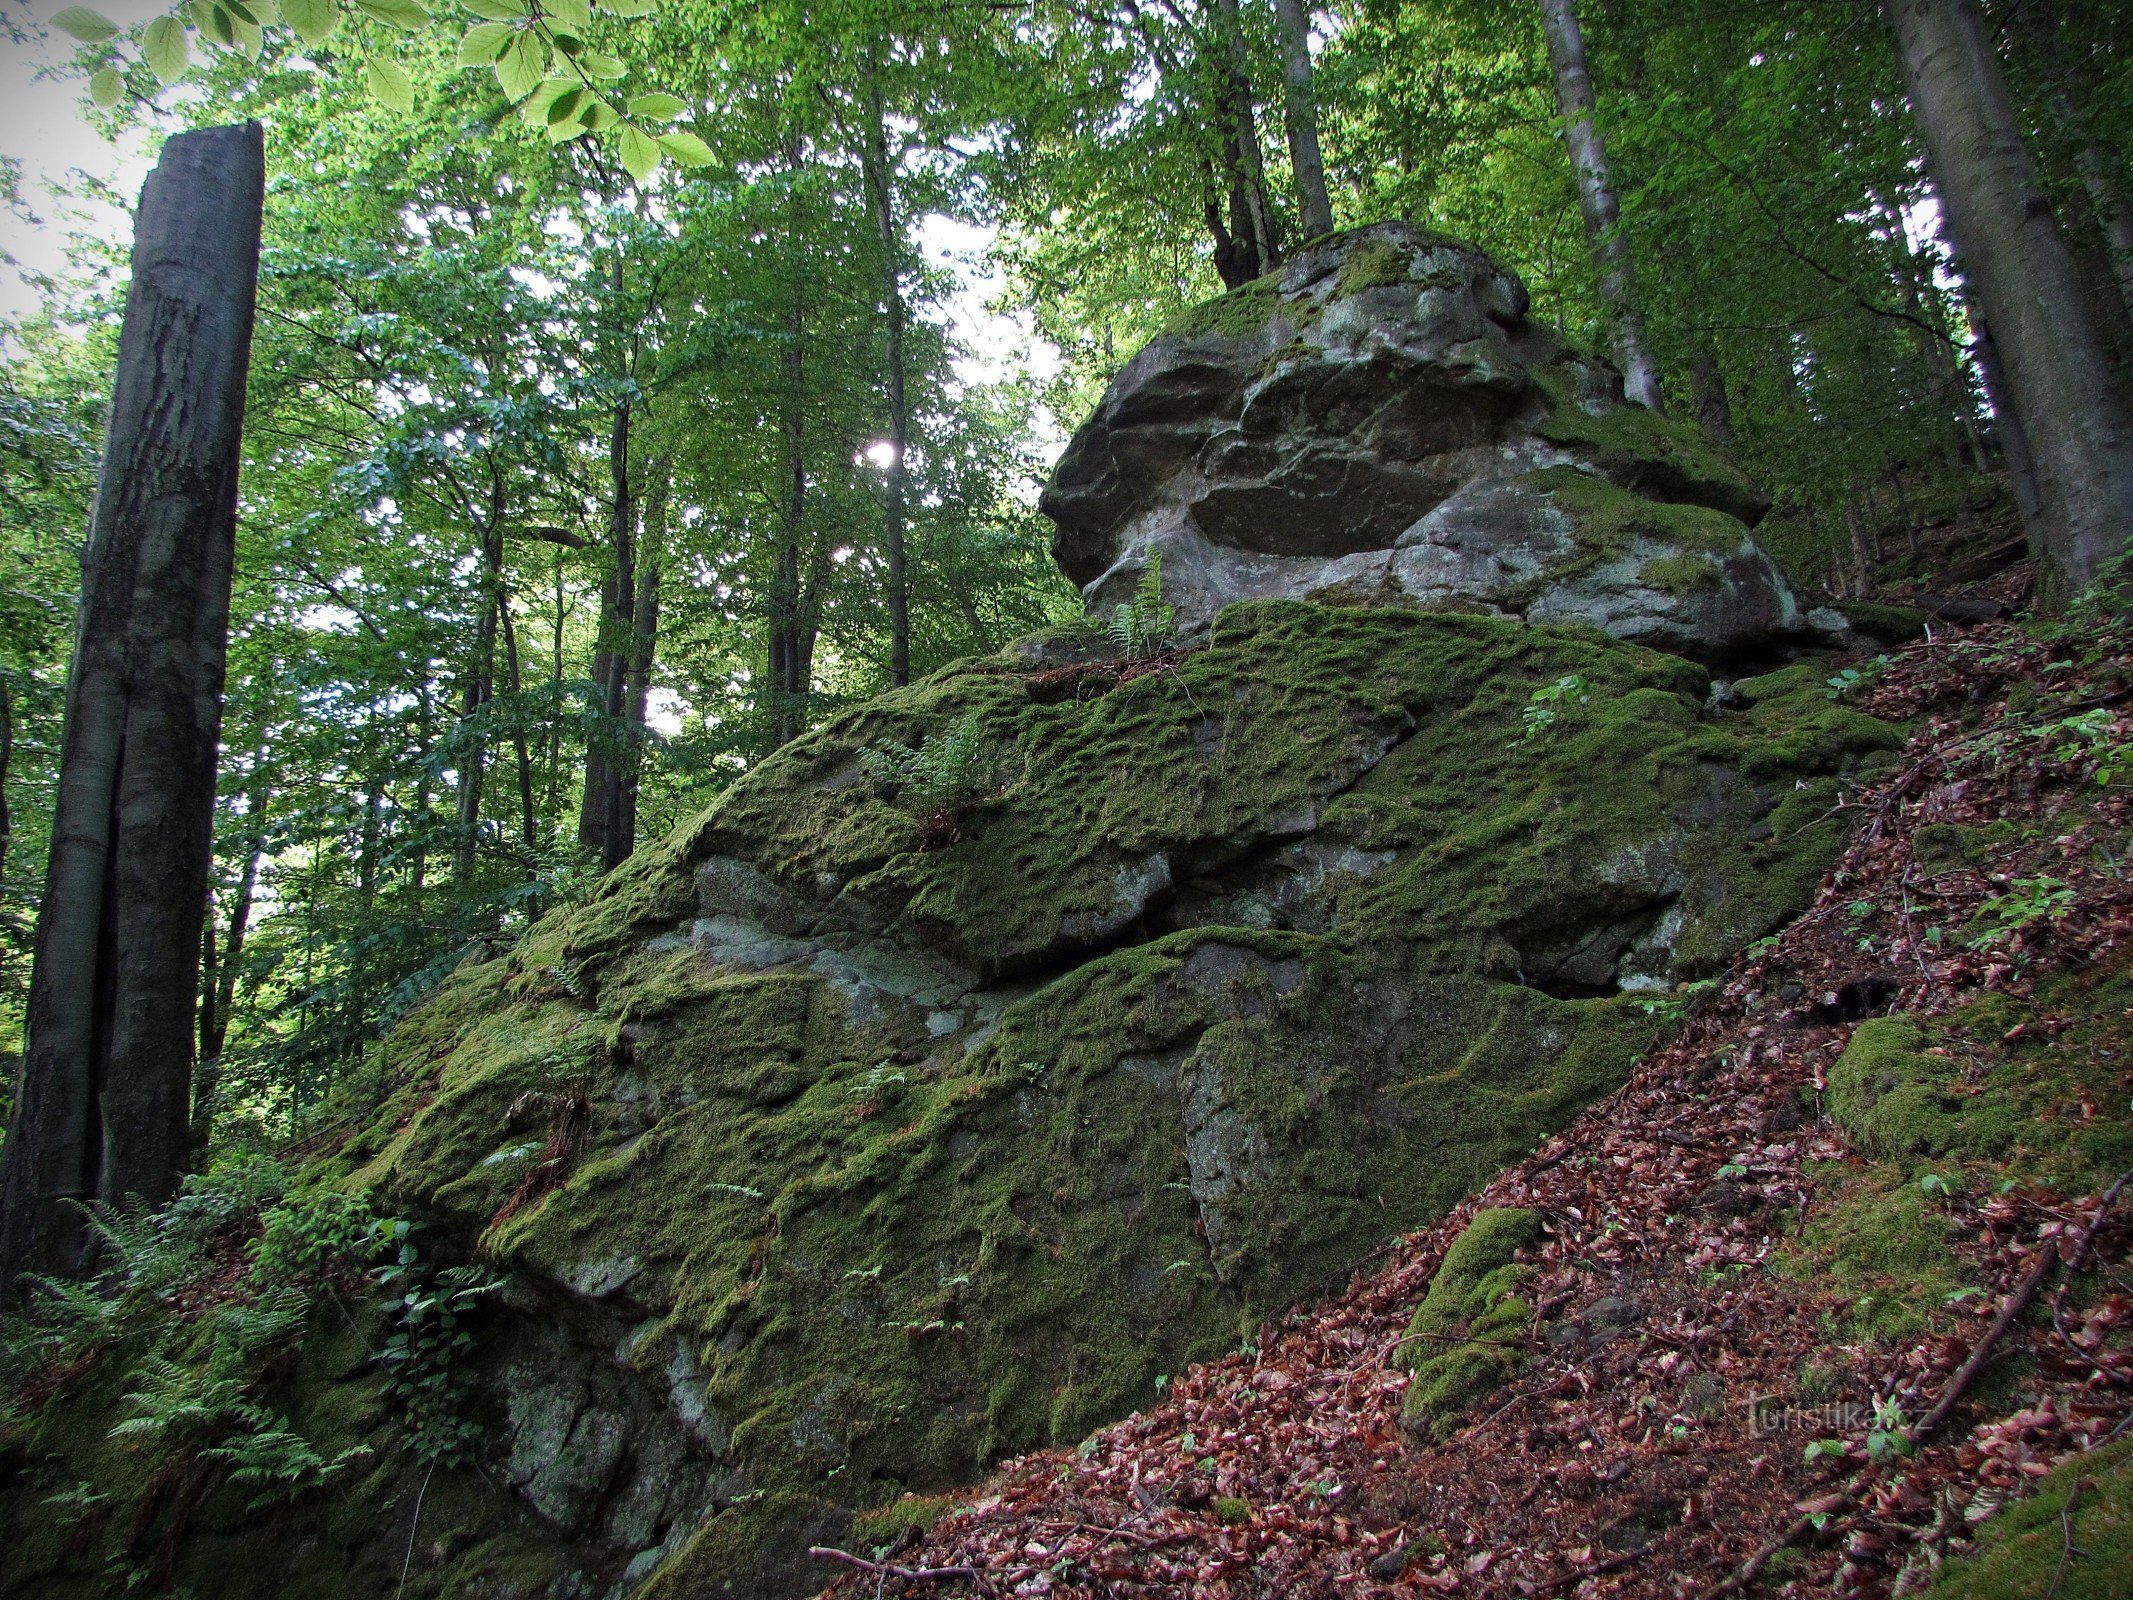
x,y
947,769
1143,626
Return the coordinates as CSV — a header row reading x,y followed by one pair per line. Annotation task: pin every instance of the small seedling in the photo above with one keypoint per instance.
x,y
1551,702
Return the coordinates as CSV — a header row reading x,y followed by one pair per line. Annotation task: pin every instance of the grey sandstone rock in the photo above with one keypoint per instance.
x,y
1380,422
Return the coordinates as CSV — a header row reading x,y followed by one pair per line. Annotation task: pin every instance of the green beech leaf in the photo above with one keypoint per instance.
x,y
596,115
105,86
498,10
658,107
312,20
640,153
534,108
598,64
164,48
81,23
563,105
389,82
522,65
402,14
627,8
213,21
568,16
686,148
484,42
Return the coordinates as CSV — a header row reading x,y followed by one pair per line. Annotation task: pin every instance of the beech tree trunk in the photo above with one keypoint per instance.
x,y
102,1110
1714,407
1611,259
598,807
1251,245
881,199
1300,114
637,668
2058,376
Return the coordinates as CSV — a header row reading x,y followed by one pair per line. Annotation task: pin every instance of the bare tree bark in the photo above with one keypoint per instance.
x,y
107,1073
1714,407
637,673
880,175
1256,235
1612,261
2077,426
1300,115
603,772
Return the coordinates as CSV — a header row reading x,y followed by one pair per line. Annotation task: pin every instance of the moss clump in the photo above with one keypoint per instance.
x,y
1244,311
1463,1340
1682,575
1232,1512
1643,451
1379,264
1887,624
1607,520
2021,1550
1893,1099
1951,1103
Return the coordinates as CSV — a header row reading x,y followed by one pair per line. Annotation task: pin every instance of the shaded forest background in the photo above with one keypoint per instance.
x,y
570,493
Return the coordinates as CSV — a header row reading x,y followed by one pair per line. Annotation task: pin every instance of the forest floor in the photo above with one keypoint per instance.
x,y
1768,1353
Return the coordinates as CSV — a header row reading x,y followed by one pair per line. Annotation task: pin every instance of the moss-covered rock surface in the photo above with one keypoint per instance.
x,y
895,1143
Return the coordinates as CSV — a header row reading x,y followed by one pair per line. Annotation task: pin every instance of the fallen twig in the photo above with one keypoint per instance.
x,y
2067,1551
823,1552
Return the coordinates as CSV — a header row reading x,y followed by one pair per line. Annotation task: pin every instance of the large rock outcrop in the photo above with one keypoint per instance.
x,y
1380,420
906,1154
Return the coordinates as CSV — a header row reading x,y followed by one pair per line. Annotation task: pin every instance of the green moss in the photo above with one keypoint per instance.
x,y
897,1255
750,1548
1377,265
1244,311
1232,1512
1682,575
1888,624
1605,518
2020,1552
1641,450
1462,1342
1951,1102
882,1525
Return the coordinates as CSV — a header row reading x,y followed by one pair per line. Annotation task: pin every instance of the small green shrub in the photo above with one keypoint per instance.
x,y
2023,904
947,769
1548,704
316,1234
429,1309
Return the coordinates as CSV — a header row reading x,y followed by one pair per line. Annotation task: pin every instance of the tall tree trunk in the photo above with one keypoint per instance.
x,y
1300,115
7,817
1714,407
218,993
107,1071
603,770
1251,212
2077,426
476,692
881,199
637,674
789,669
1612,261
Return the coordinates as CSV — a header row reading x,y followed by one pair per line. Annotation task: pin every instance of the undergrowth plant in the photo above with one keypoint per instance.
x,y
1551,702
1144,626
429,1309
947,769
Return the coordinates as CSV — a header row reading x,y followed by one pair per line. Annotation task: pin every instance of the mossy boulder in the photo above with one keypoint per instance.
x,y
1381,421
903,1155
1466,1337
